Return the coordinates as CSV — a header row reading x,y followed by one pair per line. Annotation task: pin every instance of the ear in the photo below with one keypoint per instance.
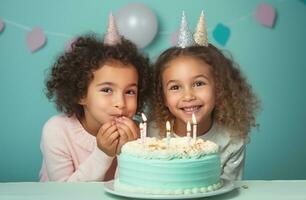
x,y
82,101
165,101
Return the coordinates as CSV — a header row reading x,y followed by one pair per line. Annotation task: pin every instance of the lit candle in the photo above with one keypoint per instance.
x,y
194,127
144,118
188,129
168,128
141,132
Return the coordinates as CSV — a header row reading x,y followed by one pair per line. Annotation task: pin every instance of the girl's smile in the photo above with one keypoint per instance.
x,y
189,109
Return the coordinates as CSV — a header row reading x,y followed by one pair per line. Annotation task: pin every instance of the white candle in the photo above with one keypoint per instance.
x,y
144,118
194,127
188,129
141,132
168,128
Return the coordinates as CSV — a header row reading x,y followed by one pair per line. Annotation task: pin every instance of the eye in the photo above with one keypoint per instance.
x,y
174,87
198,84
106,90
131,92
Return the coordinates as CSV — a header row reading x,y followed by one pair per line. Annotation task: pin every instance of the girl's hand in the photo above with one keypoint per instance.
x,y
128,131
108,138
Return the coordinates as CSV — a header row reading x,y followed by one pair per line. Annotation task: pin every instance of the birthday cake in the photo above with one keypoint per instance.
x,y
173,166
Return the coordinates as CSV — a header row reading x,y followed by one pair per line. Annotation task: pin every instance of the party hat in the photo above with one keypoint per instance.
x,y
200,35
185,38
112,36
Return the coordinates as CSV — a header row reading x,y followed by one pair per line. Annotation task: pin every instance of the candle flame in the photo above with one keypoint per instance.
x,y
194,120
188,127
168,126
144,118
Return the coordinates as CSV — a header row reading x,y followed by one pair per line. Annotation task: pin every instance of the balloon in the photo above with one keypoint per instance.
x,y
137,23
174,37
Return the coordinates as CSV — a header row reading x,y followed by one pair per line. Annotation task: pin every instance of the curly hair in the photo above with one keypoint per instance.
x,y
236,104
71,74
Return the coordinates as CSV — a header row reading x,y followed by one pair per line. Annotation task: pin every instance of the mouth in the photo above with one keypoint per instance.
x,y
115,116
190,109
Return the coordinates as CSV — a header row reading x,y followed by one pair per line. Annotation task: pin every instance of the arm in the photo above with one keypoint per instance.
x,y
61,157
233,167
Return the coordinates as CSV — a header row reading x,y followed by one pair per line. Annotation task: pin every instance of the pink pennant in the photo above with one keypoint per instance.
x,y
1,25
36,39
68,44
265,14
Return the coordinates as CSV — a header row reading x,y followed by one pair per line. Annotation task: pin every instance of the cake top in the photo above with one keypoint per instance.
x,y
174,148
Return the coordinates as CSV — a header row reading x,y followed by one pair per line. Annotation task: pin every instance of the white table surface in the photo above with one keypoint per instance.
x,y
246,190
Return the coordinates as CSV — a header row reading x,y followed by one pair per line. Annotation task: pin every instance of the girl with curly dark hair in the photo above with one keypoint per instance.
x,y
99,87
199,79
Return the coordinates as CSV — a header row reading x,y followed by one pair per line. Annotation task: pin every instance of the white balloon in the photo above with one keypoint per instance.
x,y
137,23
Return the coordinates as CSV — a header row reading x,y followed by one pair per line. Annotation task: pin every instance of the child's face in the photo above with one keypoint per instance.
x,y
112,93
188,87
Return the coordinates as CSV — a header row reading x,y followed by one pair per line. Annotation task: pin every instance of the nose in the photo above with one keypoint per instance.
x,y
119,102
188,95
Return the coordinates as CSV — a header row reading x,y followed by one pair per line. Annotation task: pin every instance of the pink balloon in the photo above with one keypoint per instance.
x,y
36,39
265,14
174,37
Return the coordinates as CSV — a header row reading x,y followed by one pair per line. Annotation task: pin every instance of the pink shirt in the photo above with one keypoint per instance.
x,y
70,153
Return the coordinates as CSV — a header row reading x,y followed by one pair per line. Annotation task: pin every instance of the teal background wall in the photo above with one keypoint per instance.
x,y
274,60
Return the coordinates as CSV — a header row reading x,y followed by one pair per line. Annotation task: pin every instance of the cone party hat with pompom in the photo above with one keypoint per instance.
x,y
185,38
112,36
200,35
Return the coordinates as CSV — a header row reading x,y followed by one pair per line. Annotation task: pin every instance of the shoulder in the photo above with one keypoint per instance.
x,y
226,139
56,119
55,122
57,126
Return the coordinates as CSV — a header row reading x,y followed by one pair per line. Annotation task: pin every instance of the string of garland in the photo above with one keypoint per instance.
x,y
265,15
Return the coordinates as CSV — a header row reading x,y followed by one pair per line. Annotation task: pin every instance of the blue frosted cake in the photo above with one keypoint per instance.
x,y
175,166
